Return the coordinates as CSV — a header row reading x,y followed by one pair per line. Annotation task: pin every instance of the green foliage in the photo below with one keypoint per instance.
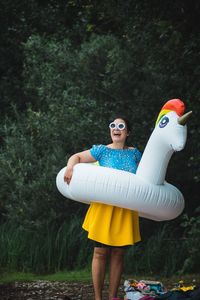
x,y
101,71
167,252
19,20
34,150
47,249
192,243
161,254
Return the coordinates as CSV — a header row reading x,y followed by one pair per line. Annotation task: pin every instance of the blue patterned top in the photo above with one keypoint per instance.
x,y
121,159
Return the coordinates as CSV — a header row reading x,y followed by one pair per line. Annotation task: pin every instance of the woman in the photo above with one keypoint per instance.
x,y
112,228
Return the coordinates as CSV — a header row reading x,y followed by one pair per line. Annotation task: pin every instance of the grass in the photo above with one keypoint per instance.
x,y
80,276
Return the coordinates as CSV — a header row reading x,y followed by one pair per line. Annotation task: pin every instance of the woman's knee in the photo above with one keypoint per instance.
x,y
101,253
117,253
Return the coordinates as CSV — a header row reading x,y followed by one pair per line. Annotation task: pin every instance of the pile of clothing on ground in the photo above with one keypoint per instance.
x,y
154,290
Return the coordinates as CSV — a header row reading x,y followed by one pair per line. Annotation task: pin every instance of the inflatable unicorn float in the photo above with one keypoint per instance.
x,y
146,191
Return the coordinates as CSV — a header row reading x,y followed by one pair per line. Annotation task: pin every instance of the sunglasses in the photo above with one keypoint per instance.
x,y
120,126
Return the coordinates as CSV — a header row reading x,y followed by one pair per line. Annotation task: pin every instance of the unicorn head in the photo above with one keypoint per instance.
x,y
170,125
169,135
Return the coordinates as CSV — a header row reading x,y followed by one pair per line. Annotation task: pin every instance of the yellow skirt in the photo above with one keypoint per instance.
x,y
112,225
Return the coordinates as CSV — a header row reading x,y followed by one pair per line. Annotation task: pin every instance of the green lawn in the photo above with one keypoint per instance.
x,y
82,276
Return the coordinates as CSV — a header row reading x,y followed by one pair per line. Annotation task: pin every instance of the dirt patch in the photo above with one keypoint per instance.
x,y
57,290
48,290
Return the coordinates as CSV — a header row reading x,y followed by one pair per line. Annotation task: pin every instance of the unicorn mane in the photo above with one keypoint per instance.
x,y
175,105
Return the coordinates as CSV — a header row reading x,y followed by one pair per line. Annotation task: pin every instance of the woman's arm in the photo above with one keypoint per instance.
x,y
81,157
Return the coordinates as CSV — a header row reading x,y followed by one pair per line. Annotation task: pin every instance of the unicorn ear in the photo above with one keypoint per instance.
x,y
183,120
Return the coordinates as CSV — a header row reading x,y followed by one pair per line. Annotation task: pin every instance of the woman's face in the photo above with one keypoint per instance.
x,y
118,131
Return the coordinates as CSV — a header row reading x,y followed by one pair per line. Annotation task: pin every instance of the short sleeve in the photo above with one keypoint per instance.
x,y
96,151
138,156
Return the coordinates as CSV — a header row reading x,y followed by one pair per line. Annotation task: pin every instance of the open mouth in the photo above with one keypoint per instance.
x,y
116,133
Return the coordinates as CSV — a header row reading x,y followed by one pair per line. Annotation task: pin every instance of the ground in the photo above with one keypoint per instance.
x,y
48,290
62,290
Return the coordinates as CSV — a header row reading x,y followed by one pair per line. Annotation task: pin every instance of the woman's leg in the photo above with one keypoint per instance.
x,y
116,268
99,269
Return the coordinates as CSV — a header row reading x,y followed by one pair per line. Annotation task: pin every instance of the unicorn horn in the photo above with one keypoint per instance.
x,y
183,119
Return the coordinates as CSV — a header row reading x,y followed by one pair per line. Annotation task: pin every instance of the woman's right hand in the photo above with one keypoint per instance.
x,y
81,157
68,174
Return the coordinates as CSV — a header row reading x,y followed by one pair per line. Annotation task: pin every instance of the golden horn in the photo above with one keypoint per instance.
x,y
183,119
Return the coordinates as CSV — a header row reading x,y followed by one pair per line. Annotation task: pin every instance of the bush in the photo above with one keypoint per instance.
x,y
162,254
47,249
191,243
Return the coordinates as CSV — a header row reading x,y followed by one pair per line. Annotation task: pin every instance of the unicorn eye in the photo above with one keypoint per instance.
x,y
164,121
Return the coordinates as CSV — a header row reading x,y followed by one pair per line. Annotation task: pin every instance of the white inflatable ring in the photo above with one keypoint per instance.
x,y
146,191
92,183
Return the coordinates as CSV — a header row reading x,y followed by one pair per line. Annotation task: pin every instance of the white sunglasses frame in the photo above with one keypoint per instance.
x,y
117,126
